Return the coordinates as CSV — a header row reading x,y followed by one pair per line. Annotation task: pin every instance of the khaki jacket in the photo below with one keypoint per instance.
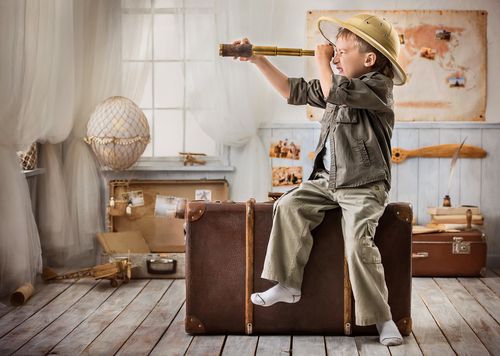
x,y
358,120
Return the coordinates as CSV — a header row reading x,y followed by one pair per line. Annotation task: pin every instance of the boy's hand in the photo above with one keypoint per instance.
x,y
324,54
254,58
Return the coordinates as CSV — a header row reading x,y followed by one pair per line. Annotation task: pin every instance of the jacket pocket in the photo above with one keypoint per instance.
x,y
362,151
369,251
380,193
346,115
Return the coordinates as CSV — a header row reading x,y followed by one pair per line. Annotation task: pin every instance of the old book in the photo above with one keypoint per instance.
x,y
446,227
456,219
458,210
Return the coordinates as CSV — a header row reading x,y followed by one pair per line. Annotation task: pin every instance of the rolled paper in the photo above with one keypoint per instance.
x,y
22,294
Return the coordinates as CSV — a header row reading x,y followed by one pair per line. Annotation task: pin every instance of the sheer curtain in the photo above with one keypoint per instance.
x,y
228,99
59,59
99,26
36,101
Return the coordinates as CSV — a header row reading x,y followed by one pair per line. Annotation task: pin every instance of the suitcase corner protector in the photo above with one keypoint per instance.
x,y
404,213
193,325
405,326
195,210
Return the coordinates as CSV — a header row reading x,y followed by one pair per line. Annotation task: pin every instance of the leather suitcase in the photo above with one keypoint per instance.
x,y
449,254
225,249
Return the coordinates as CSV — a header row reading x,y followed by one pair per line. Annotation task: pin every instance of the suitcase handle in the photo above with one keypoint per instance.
x,y
420,255
161,265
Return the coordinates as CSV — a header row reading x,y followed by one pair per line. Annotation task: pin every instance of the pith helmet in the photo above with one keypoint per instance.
x,y
375,30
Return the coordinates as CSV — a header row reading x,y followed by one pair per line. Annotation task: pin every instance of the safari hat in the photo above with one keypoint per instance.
x,y
375,30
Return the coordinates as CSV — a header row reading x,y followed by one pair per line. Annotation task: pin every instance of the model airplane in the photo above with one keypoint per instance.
x,y
113,271
190,158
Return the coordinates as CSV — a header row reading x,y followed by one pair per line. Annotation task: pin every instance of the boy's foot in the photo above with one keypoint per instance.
x,y
389,333
278,293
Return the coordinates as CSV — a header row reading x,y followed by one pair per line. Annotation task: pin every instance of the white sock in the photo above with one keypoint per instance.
x,y
389,333
278,293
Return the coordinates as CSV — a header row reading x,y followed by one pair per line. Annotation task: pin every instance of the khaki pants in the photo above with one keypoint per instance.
x,y
300,210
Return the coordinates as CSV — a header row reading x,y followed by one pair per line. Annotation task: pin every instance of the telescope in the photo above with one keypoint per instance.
x,y
246,50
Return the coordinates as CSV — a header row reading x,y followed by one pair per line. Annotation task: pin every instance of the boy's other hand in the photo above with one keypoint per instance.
x,y
254,58
324,54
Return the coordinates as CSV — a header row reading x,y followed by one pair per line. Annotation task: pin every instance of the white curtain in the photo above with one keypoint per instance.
x,y
100,26
58,60
229,98
36,102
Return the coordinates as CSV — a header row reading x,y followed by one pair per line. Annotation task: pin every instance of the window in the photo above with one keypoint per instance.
x,y
182,37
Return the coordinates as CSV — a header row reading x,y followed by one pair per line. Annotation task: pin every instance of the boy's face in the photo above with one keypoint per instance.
x,y
349,61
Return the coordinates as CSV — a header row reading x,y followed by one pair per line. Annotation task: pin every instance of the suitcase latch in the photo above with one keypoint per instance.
x,y
161,265
460,247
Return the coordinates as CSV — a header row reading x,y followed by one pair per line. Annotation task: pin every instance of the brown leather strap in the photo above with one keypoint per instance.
x,y
250,223
347,301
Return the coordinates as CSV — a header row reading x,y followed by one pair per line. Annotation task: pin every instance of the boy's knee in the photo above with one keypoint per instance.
x,y
287,201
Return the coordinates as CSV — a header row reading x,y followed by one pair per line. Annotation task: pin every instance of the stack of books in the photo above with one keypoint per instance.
x,y
455,218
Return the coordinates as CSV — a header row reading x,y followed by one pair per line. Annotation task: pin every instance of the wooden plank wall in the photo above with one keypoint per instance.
x,y
423,181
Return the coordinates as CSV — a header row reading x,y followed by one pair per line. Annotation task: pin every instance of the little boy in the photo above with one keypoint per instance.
x,y
351,165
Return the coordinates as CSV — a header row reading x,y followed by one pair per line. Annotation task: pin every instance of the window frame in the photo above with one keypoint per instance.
x,y
222,151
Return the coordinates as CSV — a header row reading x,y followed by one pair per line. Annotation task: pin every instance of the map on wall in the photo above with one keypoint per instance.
x,y
444,55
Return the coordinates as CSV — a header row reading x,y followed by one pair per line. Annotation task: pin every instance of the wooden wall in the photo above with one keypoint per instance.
x,y
423,181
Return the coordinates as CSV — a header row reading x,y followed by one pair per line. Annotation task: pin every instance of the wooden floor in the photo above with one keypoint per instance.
x,y
450,316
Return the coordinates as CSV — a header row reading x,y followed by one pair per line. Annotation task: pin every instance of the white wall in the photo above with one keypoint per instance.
x,y
289,30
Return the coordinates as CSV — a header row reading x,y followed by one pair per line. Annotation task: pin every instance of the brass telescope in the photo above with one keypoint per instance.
x,y
247,50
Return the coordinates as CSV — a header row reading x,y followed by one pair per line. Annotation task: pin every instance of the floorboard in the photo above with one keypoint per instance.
x,y
206,345
458,333
308,345
240,345
274,345
117,333
23,333
83,335
147,335
408,348
484,326
67,322
40,298
370,346
492,280
341,346
484,295
174,341
427,333
449,316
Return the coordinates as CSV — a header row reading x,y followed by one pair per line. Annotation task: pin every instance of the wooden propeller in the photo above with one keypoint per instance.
x,y
438,151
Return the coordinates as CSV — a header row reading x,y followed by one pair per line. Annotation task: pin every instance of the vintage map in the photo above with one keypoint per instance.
x,y
444,55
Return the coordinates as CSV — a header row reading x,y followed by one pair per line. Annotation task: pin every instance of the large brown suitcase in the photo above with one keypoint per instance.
x,y
449,254
225,249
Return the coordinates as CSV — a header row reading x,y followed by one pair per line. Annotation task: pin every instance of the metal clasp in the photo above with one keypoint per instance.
x,y
249,328
420,255
347,329
460,247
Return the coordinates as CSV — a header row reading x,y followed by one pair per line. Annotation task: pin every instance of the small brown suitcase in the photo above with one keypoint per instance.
x,y
226,245
449,254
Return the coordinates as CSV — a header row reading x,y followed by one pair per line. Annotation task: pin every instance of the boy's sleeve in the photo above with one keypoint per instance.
x,y
370,92
302,92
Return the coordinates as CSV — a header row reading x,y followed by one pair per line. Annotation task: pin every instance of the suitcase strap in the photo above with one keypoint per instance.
x,y
250,223
347,300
